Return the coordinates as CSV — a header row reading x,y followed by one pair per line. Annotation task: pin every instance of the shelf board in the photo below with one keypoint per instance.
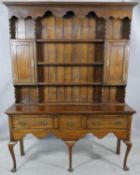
x,y
118,40
67,84
70,64
25,84
70,84
69,41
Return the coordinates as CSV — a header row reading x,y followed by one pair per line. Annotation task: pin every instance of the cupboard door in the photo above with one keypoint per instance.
x,y
116,62
23,61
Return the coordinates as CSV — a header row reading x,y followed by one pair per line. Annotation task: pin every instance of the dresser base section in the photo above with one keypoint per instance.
x,y
70,127
70,139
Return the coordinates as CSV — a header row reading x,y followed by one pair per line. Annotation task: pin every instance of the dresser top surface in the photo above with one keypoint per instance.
x,y
79,2
70,109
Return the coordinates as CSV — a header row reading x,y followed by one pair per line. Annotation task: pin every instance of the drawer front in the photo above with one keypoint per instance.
x,y
70,122
107,122
33,122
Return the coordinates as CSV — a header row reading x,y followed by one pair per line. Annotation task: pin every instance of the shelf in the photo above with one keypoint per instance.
x,y
67,84
24,84
70,84
70,64
117,40
23,40
69,41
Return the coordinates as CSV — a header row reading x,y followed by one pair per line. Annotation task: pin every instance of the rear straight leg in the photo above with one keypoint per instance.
x,y
118,148
22,147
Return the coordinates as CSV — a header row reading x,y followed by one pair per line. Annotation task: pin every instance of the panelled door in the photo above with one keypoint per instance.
x,y
116,62
23,61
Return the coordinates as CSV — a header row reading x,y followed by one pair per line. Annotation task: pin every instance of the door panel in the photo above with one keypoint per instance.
x,y
23,59
116,62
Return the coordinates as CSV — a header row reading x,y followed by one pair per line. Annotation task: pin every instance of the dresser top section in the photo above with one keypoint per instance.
x,y
37,9
70,109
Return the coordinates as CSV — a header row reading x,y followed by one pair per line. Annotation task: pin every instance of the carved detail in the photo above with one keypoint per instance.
x,y
36,12
76,136
103,134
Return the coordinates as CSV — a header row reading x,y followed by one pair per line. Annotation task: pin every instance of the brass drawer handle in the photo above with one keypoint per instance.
x,y
70,123
96,123
22,123
118,123
43,123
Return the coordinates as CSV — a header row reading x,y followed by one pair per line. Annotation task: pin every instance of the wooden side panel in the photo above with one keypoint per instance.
x,y
126,28
25,28
113,94
26,94
118,28
23,59
116,63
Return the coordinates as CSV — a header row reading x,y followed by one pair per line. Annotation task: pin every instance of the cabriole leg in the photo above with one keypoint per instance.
x,y
70,147
129,146
11,149
118,146
22,148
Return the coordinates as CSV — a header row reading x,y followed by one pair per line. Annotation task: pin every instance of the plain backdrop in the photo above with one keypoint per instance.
x,y
6,86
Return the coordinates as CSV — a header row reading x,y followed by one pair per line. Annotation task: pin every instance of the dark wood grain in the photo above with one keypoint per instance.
x,y
56,108
70,64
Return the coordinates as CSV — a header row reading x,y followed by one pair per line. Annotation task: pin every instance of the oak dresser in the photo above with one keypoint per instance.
x,y
69,67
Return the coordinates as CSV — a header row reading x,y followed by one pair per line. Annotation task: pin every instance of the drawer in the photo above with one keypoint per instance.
x,y
70,122
33,122
107,122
